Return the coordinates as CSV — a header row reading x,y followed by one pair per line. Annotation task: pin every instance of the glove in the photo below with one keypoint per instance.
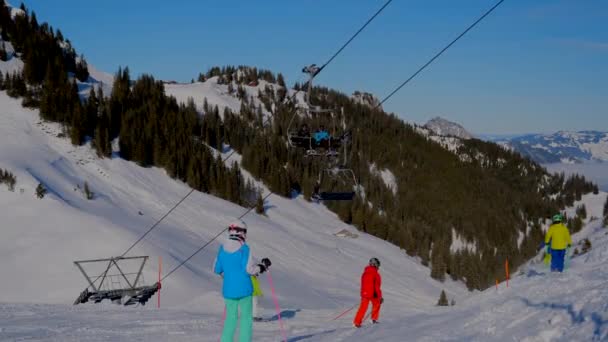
x,y
541,245
381,300
264,265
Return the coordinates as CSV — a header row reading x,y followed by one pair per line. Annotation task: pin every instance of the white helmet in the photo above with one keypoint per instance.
x,y
238,228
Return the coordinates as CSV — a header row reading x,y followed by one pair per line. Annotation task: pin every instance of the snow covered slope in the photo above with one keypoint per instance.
x,y
537,306
216,94
316,273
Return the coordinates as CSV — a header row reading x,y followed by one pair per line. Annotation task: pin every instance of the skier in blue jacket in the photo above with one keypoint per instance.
x,y
235,264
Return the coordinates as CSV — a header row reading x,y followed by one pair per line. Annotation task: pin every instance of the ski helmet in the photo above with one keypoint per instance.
x,y
374,262
238,229
557,218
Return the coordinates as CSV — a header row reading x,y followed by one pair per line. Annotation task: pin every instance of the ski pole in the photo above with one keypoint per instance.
x,y
344,313
276,304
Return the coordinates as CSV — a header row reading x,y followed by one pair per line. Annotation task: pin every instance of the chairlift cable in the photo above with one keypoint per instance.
x,y
210,241
440,53
355,35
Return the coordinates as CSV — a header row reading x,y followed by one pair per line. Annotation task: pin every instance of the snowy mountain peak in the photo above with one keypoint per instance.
x,y
367,99
441,126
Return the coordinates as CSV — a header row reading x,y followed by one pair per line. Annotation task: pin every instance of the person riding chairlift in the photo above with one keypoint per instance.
x,y
304,131
320,135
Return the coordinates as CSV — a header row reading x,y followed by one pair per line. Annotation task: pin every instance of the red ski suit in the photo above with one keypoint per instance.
x,y
370,292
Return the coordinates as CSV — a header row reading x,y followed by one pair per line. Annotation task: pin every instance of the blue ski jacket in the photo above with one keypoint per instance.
x,y
235,264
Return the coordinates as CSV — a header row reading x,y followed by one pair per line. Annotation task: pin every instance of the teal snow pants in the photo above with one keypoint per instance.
x,y
232,317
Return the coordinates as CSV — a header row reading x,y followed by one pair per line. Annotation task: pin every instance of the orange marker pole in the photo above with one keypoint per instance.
x,y
507,270
496,284
160,268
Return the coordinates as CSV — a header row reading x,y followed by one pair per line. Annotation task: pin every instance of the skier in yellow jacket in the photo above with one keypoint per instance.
x,y
559,241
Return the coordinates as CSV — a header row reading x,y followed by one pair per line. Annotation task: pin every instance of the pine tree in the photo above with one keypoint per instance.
x,y
259,204
443,299
101,142
78,125
606,213
82,69
581,211
3,54
438,261
40,190
88,194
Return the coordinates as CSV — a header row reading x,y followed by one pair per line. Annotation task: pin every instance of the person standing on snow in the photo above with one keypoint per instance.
x,y
559,241
234,263
257,293
370,292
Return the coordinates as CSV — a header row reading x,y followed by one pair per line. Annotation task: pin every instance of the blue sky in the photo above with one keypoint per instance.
x,y
531,66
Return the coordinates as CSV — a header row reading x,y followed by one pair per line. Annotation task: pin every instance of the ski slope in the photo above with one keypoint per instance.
x,y
316,271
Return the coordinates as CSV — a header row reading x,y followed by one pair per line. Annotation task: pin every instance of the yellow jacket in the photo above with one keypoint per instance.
x,y
559,236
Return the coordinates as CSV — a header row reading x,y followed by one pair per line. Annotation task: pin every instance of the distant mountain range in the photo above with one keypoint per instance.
x,y
561,147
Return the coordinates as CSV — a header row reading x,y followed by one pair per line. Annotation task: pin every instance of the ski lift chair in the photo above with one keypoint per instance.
x,y
109,283
347,189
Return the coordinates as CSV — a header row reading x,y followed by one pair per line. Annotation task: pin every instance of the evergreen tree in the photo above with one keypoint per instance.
x,y
40,190
606,213
443,299
82,69
3,54
88,194
438,261
259,204
581,211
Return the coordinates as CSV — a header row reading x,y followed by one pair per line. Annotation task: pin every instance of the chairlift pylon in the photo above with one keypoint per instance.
x,y
108,285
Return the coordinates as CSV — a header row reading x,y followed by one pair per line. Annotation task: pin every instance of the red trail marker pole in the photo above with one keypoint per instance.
x,y
507,270
160,270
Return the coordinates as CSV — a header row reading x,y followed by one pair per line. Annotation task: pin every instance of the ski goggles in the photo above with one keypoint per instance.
x,y
234,227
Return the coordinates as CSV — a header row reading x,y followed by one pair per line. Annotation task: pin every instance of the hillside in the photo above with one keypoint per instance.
x,y
537,305
47,234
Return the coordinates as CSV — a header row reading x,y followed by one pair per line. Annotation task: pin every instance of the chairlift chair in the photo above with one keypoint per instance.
x,y
342,177
301,139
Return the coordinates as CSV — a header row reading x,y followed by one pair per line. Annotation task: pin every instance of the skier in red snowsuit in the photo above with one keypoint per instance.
x,y
370,292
